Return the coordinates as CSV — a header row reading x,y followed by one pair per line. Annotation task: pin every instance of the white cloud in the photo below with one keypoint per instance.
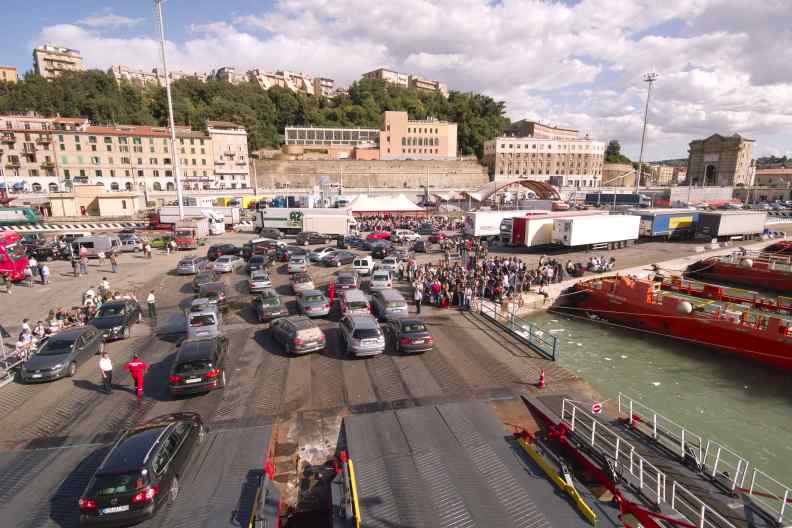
x,y
108,19
723,64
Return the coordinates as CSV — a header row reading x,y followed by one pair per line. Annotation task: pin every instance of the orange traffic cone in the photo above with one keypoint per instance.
x,y
541,384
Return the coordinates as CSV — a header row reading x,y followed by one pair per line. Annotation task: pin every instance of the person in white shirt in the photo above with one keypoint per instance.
x,y
106,368
152,306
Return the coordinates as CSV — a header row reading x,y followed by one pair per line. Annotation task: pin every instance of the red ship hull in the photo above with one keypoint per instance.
x,y
758,276
637,304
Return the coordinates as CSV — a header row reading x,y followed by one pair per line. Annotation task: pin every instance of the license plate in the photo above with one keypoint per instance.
x,y
418,341
369,342
116,509
192,380
35,376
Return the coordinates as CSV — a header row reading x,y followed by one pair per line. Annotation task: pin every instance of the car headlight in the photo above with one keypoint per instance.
x,y
57,367
117,329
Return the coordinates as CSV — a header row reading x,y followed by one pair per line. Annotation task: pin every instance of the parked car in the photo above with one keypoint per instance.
x,y
268,306
354,301
438,237
419,246
259,280
346,280
380,251
62,353
380,280
313,303
116,318
427,229
319,253
310,237
130,244
399,253
218,250
199,365
227,263
361,335
191,265
215,292
205,322
406,235
301,282
43,253
388,303
409,334
284,253
338,258
297,263
379,235
390,264
141,471
298,334
257,262
270,232
363,265
204,277
349,241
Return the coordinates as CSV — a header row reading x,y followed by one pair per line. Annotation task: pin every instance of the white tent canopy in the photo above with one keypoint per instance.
x,y
383,204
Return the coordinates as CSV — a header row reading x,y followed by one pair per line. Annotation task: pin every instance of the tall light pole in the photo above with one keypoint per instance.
x,y
175,154
650,78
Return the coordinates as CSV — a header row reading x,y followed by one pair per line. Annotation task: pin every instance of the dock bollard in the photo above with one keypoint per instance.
x,y
541,383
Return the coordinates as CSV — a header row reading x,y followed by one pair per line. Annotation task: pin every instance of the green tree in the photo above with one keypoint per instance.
x,y
613,153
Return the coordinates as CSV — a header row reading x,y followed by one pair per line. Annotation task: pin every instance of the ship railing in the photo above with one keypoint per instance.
x,y
772,496
537,339
643,475
724,465
666,432
695,510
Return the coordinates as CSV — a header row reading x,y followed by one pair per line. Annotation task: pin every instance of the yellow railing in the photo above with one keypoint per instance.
x,y
353,489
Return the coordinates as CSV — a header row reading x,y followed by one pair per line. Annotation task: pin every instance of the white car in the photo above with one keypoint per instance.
x,y
406,234
390,264
259,281
297,263
227,263
363,265
380,280
319,253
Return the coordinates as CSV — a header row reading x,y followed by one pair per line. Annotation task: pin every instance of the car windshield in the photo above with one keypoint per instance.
x,y
56,347
366,333
192,366
202,320
260,276
111,310
302,278
381,276
297,260
345,280
270,301
397,304
414,326
358,305
118,483
257,259
313,298
187,262
224,259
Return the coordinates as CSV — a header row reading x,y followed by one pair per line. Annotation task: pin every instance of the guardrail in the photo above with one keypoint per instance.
x,y
772,496
695,510
543,342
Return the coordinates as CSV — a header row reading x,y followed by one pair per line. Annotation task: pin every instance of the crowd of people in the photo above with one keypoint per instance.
x,y
391,222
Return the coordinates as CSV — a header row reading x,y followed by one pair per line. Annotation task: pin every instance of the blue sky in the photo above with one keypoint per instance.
x,y
723,64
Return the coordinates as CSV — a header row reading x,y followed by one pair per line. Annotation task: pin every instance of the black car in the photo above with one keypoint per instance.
x,y
380,251
419,246
43,253
285,252
270,232
204,277
141,472
199,366
215,292
257,262
427,229
310,237
115,318
218,250
338,258
62,353
409,334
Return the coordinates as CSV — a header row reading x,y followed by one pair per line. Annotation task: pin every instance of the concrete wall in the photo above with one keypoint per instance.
x,y
374,174
679,195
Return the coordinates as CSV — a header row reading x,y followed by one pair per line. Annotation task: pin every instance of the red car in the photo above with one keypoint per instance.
x,y
437,237
379,235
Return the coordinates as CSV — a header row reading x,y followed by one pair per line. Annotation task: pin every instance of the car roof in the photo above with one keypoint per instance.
x,y
391,294
114,303
311,292
300,322
409,320
258,257
301,275
259,273
70,334
132,450
192,349
363,321
227,257
354,292
213,286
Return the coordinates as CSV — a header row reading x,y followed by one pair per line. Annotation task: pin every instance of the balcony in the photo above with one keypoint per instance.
x,y
13,164
219,162
5,137
47,165
44,139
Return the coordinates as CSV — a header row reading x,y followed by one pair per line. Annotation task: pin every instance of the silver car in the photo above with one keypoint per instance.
x,y
297,263
227,263
302,282
380,280
313,303
390,264
259,280
362,335
319,253
204,323
191,265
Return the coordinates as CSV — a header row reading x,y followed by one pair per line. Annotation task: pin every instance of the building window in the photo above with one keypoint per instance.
x,y
114,186
156,186
66,174
98,173
93,148
168,174
78,147
95,160
91,139
153,161
140,173
169,186
82,173
156,173
36,187
123,204
62,146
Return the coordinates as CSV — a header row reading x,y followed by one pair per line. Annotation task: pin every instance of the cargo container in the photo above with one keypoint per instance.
x,y
731,224
170,214
337,225
609,231
668,223
535,230
289,220
486,224
618,199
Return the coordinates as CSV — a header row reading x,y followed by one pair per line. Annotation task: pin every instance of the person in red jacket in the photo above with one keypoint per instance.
x,y
331,291
137,367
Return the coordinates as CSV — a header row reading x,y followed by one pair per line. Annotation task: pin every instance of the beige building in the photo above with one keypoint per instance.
x,y
324,87
137,77
228,74
533,129
617,175
297,82
50,61
723,161
430,139
95,200
560,159
8,74
680,175
406,80
662,174
54,154
775,177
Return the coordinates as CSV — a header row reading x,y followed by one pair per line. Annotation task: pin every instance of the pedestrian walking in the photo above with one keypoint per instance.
x,y
28,277
114,262
84,265
102,258
151,301
45,274
147,250
106,368
331,291
137,368
418,297
75,266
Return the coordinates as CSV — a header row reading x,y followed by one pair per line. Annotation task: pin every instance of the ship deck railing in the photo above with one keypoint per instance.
x,y
722,465
776,262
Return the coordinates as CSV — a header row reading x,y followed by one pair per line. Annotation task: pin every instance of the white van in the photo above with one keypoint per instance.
x,y
355,302
406,235
363,265
97,244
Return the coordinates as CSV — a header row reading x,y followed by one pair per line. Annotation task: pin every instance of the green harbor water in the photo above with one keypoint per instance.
x,y
743,405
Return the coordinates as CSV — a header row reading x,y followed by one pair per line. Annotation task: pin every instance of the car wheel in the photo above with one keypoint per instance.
x,y
72,369
174,490
127,332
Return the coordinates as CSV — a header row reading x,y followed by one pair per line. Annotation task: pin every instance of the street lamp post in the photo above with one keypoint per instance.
x,y
650,78
174,153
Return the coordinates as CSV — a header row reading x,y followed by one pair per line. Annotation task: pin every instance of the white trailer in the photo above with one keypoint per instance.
x,y
170,214
536,230
486,224
340,224
290,219
591,231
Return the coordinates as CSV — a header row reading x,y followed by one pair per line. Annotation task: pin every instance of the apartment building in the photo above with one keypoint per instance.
x,y
8,74
297,82
662,174
428,139
406,80
533,129
324,87
229,74
122,73
51,61
571,162
52,154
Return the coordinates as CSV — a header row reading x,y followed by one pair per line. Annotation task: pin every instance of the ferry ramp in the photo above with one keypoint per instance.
x,y
448,465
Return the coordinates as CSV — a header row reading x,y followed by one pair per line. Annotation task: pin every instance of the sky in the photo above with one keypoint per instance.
x,y
724,66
